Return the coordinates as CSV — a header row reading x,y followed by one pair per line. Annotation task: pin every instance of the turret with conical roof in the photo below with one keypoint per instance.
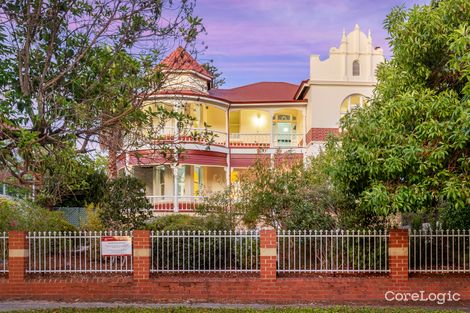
x,y
184,73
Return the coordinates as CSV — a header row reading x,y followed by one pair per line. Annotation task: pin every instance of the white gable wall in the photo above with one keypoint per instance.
x,y
332,80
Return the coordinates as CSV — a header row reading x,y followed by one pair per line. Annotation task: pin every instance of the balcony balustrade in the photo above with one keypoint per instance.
x,y
258,140
175,203
267,140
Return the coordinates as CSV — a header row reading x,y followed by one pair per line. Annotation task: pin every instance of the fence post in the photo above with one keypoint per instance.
x,y
141,254
18,254
268,253
398,254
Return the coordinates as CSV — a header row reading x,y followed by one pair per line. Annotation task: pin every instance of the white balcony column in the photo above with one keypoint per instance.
x,y
304,136
272,128
227,176
228,169
175,188
178,107
227,128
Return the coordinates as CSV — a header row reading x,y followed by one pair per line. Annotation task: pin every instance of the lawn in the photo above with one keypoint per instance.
x,y
339,309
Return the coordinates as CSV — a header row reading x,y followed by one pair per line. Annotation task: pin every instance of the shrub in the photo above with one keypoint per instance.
x,y
220,210
305,215
21,215
455,218
93,221
177,222
124,205
284,194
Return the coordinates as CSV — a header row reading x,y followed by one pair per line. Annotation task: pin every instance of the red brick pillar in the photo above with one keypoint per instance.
x,y
268,251
398,254
141,254
17,256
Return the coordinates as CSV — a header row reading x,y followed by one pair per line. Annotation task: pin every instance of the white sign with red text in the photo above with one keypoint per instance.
x,y
116,246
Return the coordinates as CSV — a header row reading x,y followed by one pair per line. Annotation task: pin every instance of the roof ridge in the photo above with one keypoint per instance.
x,y
257,83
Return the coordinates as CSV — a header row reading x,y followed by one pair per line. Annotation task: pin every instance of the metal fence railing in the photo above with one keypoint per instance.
x,y
3,252
439,251
201,251
334,251
73,252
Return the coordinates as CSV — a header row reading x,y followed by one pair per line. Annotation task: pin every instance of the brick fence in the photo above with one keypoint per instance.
x,y
265,287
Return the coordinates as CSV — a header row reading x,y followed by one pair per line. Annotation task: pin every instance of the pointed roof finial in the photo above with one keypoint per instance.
x,y
343,37
356,27
181,60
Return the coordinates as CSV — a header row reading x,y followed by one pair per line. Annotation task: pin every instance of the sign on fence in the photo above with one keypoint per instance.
x,y
116,246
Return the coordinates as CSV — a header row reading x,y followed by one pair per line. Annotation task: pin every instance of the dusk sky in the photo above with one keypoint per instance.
x,y
271,40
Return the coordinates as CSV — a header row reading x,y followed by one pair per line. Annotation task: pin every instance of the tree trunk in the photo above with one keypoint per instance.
x,y
111,141
112,163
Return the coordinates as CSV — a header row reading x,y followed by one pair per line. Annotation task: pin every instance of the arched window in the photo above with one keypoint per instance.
x,y
356,68
352,102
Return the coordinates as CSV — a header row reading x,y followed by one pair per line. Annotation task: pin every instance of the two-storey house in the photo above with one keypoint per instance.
x,y
251,121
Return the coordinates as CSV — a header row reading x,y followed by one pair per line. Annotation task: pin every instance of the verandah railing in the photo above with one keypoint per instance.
x,y
3,252
334,251
205,251
73,252
439,251
170,203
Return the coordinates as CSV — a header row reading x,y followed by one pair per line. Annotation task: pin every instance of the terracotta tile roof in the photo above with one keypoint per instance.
x,y
258,92
181,60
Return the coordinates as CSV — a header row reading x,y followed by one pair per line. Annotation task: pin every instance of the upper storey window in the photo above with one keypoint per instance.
x,y
356,70
352,102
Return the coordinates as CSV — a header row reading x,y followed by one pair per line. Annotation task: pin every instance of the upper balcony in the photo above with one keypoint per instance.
x,y
240,128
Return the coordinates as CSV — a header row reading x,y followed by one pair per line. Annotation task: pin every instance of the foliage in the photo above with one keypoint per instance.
x,y
454,218
13,190
218,80
70,180
221,208
408,150
79,78
179,222
285,194
93,221
20,215
124,205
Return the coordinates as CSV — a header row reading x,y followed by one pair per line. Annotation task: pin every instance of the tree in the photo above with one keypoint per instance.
x,y
218,80
408,149
72,72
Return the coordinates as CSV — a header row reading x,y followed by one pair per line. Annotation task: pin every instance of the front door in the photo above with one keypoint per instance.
x,y
284,133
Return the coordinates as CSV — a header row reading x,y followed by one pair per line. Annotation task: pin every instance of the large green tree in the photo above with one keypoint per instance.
x,y
74,76
408,149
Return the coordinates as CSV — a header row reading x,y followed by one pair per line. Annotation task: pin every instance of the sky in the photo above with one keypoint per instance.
x,y
271,40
